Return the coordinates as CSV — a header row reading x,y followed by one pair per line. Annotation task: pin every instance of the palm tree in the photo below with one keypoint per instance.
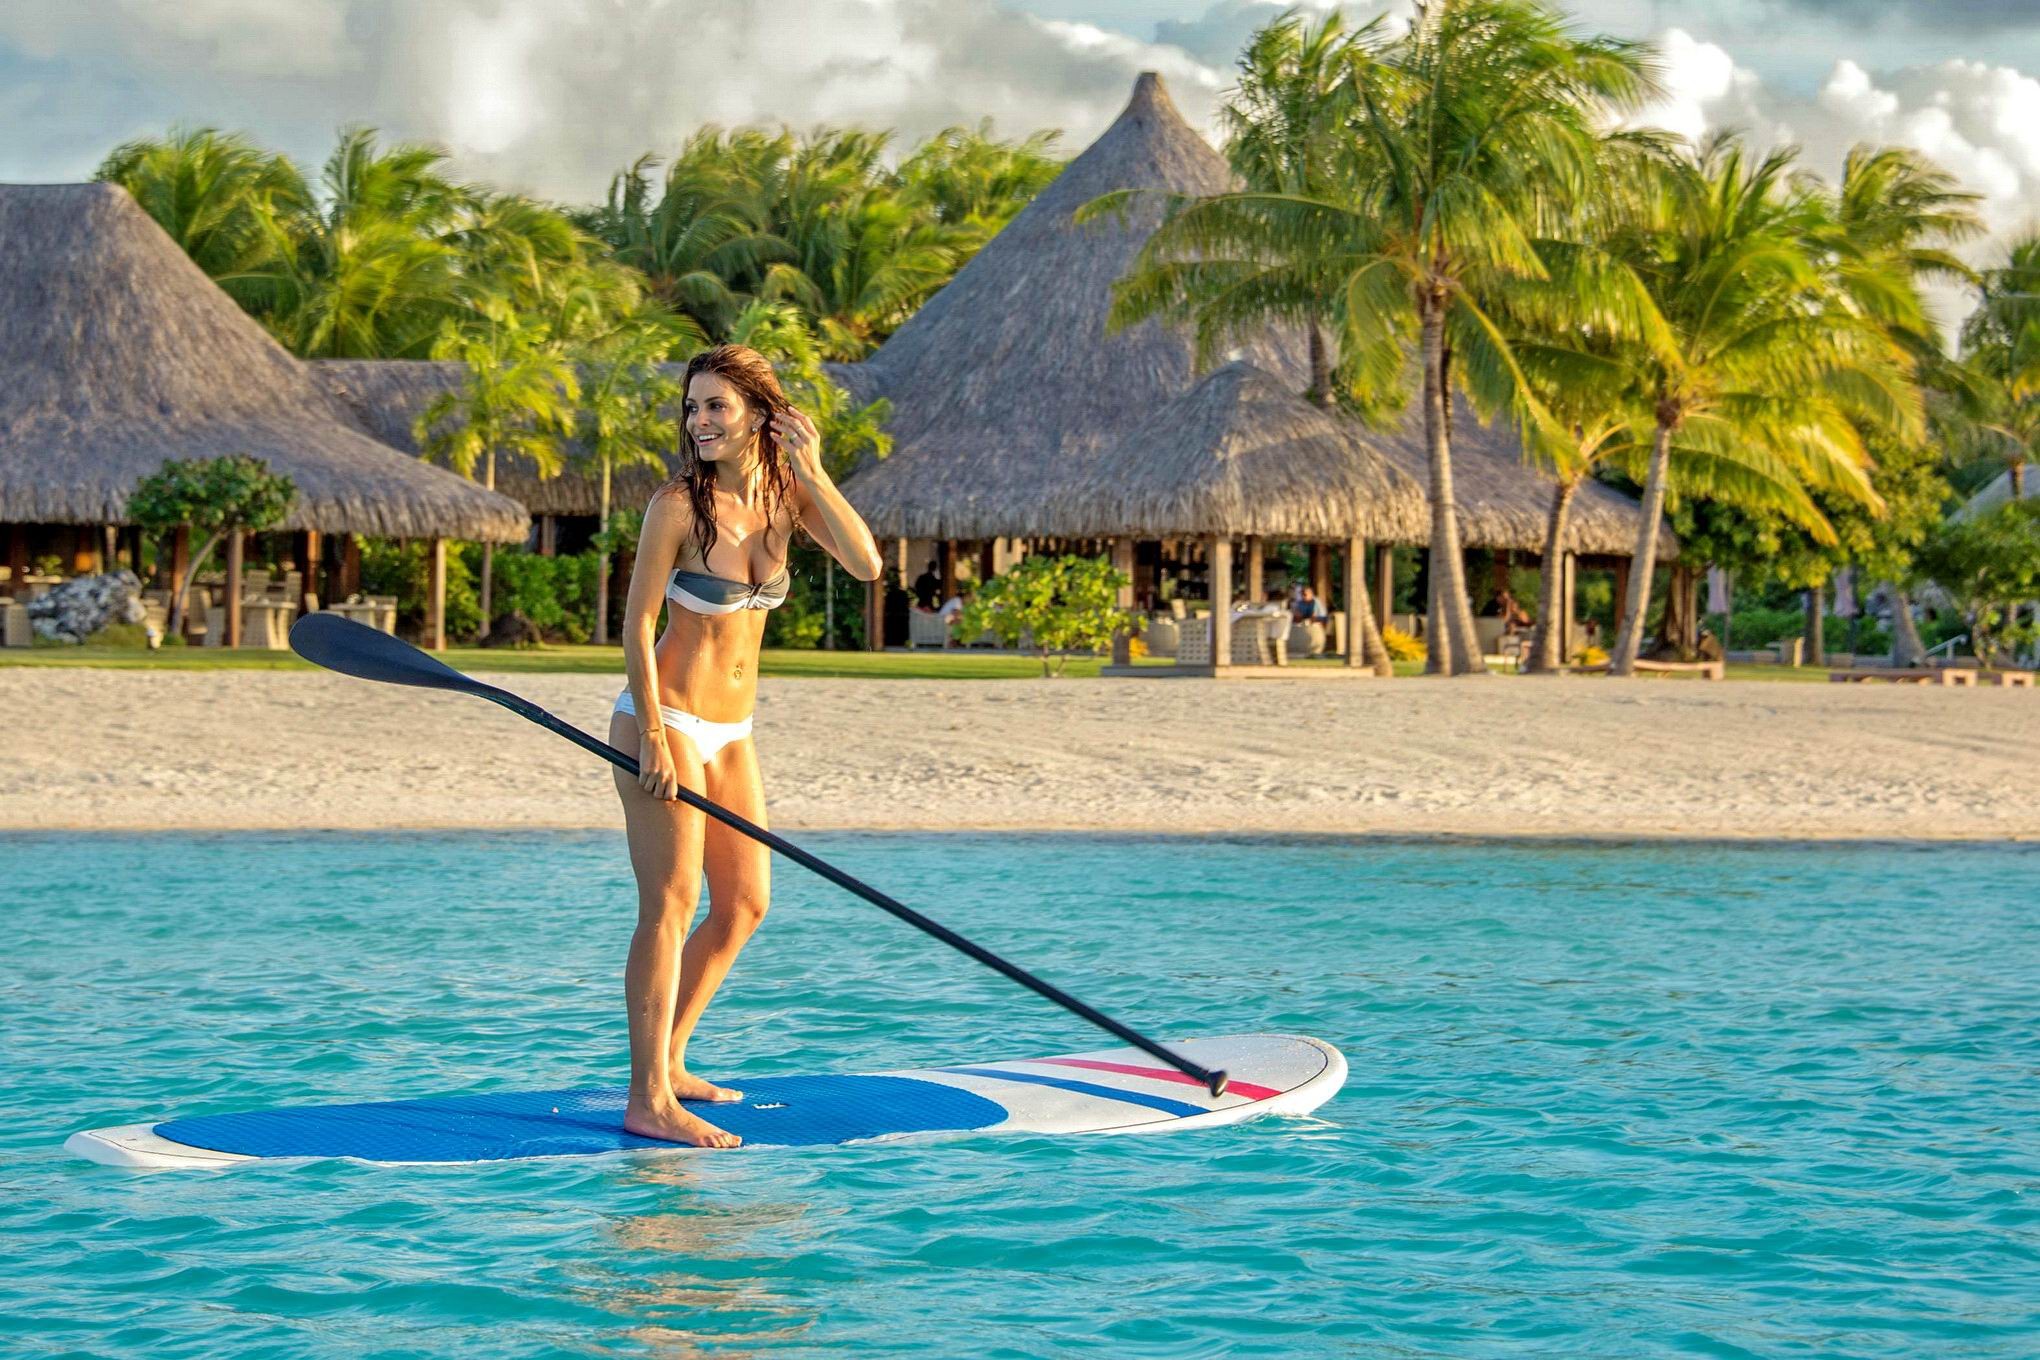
x,y
1761,351
626,420
374,273
211,191
967,178
1893,217
2001,341
707,237
517,396
1447,153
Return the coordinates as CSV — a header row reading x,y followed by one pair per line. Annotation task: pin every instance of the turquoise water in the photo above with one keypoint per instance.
x,y
1651,1101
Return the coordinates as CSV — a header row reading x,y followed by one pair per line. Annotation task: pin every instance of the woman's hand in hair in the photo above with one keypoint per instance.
x,y
802,443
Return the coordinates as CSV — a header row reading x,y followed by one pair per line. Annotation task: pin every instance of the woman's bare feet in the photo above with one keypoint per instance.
x,y
665,1120
687,1086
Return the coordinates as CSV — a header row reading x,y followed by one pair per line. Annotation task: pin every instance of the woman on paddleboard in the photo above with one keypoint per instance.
x,y
713,551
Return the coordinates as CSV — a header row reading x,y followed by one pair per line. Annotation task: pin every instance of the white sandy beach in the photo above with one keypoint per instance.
x,y
105,749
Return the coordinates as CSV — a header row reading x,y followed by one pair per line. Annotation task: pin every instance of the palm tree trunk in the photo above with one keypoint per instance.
x,y
602,565
1544,655
1454,646
1629,638
1906,647
488,550
1373,650
1320,367
2018,479
1816,626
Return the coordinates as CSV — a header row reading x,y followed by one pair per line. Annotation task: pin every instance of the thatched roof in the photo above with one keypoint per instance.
x,y
1998,493
1006,383
386,397
1241,453
1504,502
119,353
1015,414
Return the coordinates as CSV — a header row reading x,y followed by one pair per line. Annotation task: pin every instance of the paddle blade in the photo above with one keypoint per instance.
x,y
341,644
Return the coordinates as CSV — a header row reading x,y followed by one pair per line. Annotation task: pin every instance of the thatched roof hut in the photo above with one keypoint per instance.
x,y
1015,413
119,353
386,397
1241,453
1005,384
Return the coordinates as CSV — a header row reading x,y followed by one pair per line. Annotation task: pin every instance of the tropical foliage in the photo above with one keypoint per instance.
x,y
211,497
1052,607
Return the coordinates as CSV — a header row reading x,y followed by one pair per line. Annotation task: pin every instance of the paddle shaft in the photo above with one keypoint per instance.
x,y
1215,1082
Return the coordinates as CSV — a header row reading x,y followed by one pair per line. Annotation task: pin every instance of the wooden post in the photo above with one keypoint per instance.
x,y
435,599
109,550
1384,585
350,567
548,536
1219,555
1254,569
874,614
1622,565
1356,601
1569,613
237,554
948,568
988,560
305,548
1122,562
17,556
1321,573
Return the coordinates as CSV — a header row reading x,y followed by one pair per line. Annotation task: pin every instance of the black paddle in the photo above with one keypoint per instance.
x,y
355,649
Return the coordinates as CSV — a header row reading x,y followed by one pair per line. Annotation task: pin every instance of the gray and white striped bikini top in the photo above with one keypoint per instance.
x,y
706,594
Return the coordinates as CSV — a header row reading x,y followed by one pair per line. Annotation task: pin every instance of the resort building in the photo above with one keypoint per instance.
x,y
1019,418
121,354
1020,422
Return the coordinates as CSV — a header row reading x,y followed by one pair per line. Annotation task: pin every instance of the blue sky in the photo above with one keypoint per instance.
x,y
553,96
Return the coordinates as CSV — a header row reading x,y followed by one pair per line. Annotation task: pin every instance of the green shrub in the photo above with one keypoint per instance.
x,y
556,593
1060,605
405,571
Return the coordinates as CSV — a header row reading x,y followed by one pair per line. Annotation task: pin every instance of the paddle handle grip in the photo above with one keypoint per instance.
x,y
1212,1081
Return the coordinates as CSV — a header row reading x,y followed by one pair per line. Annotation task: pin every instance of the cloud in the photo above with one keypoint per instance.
x,y
554,96
1961,16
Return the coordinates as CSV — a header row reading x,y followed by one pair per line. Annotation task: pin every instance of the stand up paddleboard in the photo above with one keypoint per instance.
x,y
1120,1090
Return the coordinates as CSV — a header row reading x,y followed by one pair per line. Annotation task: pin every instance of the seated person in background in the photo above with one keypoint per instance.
x,y
1513,615
953,607
1308,608
927,588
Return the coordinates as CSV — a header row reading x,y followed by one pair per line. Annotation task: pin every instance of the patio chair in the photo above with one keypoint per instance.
x,y
925,628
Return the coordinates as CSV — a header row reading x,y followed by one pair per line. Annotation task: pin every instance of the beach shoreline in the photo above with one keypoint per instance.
x,y
1586,760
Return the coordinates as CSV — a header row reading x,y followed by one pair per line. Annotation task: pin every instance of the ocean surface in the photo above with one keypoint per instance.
x,y
1606,1101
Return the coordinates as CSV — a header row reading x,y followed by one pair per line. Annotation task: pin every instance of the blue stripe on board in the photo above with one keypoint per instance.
x,y
1162,1103
780,1111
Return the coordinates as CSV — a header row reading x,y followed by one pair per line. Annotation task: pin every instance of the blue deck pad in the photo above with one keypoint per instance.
x,y
775,1111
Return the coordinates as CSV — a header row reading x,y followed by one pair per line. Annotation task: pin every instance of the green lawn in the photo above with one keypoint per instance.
x,y
567,660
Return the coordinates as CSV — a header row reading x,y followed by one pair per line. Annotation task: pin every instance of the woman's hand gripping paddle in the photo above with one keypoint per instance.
x,y
355,649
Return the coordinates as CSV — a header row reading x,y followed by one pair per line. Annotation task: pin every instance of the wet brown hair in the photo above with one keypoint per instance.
x,y
750,373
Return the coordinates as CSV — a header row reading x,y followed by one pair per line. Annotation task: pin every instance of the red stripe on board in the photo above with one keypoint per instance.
x,y
1245,1088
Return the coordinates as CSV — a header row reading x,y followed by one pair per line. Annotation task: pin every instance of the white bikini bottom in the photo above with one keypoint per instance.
x,y
708,737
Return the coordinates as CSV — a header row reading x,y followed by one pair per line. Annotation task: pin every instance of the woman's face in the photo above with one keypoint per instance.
x,y
719,421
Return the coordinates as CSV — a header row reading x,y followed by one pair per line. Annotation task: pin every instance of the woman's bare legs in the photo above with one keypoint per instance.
x,y
739,888
665,853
